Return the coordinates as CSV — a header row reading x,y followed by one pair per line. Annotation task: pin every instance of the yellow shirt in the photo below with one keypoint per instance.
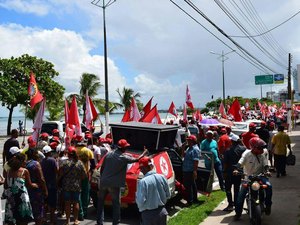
x,y
84,155
281,140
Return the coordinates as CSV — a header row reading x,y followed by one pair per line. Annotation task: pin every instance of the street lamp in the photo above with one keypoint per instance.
x,y
223,58
102,4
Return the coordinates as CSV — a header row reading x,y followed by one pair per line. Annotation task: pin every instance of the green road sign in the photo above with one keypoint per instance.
x,y
264,79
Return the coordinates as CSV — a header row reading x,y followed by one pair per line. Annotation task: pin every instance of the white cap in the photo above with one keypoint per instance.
x,y
209,132
235,137
60,148
14,150
47,149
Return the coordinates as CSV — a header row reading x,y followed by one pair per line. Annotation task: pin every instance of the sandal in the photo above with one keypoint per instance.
x,y
76,222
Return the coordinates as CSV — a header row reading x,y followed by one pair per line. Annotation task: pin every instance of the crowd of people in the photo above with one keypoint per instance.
x,y
50,179
259,150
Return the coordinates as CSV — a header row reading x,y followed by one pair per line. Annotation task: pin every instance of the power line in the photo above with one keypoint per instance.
x,y
268,38
250,60
257,35
234,19
226,35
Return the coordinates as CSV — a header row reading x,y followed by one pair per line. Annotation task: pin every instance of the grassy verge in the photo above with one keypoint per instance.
x,y
196,213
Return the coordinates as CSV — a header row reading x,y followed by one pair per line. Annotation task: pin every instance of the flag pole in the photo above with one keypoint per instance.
x,y
23,142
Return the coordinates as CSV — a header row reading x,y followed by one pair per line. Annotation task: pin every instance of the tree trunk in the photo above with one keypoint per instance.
x,y
9,122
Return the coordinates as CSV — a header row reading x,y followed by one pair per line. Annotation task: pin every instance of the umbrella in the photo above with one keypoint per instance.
x,y
209,122
226,122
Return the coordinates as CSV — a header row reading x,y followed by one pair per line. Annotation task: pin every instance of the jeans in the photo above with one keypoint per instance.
x,y
115,193
243,192
84,197
190,187
236,182
219,171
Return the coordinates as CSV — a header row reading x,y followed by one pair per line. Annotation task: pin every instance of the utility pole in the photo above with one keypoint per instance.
x,y
223,58
104,4
289,108
289,78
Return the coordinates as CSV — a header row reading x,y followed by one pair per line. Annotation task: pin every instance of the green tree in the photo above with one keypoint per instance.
x,y
126,95
14,80
88,83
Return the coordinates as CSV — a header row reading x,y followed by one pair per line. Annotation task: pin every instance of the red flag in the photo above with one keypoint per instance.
x,y
68,131
33,92
153,116
146,109
38,121
188,101
134,111
93,108
172,110
259,105
67,111
222,111
197,115
184,113
126,116
88,112
235,111
73,119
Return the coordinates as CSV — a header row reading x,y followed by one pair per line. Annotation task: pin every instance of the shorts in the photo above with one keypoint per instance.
x,y
71,196
51,200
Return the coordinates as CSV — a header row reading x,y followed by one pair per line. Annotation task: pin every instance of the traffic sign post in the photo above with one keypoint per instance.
x,y
263,79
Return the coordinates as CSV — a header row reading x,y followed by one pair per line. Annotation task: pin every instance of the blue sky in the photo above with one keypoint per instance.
x,y
153,47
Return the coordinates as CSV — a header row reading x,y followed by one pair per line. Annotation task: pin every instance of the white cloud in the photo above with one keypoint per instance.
x,y
39,8
65,49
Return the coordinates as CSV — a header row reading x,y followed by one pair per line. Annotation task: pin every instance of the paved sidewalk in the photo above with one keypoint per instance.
x,y
286,197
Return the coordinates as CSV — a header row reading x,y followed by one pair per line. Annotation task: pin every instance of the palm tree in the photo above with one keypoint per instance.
x,y
126,95
89,82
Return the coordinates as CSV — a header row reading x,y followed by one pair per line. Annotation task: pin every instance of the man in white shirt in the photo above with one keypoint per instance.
x,y
254,161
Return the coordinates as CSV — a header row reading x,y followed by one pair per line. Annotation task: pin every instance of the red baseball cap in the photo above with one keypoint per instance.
x,y
122,143
78,138
32,144
44,135
53,145
251,125
145,161
102,140
192,138
71,149
55,139
223,131
88,136
55,131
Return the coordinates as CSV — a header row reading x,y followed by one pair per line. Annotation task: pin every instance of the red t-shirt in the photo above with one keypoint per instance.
x,y
246,138
224,143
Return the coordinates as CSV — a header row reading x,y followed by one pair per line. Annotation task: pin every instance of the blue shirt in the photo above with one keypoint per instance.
x,y
191,154
152,191
210,146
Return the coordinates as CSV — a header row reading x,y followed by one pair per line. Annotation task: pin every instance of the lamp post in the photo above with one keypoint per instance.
x,y
102,4
223,58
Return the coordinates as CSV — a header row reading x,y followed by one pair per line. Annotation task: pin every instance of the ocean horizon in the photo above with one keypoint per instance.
x,y
113,118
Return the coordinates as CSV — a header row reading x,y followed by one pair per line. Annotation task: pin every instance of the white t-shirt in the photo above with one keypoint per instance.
x,y
254,164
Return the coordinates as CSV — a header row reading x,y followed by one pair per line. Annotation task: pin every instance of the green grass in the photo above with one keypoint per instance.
x,y
196,213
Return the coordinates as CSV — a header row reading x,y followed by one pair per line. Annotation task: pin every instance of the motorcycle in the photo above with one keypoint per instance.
x,y
255,198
